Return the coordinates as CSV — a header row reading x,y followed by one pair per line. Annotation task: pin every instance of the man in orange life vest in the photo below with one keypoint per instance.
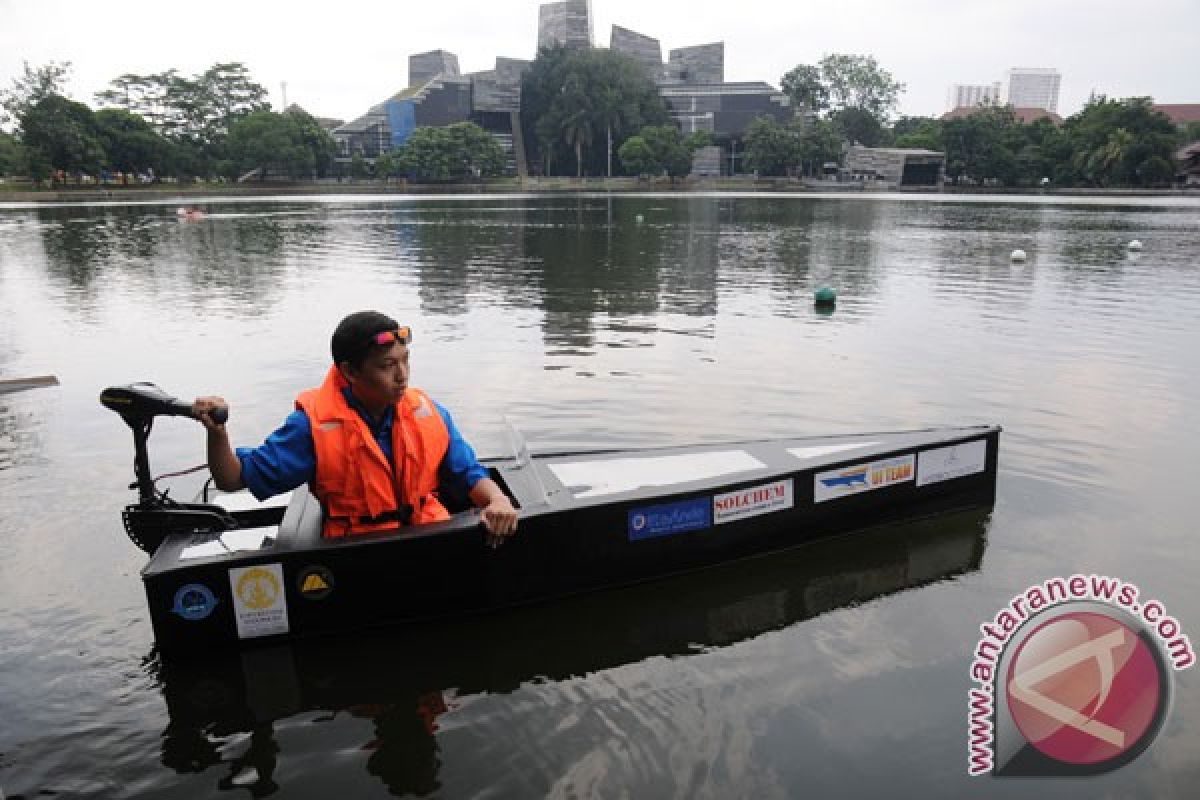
x,y
373,449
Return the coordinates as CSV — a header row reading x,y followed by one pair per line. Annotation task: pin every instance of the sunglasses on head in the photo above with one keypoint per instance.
x,y
403,335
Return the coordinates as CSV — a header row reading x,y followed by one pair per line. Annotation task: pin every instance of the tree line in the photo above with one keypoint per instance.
x,y
850,99
216,123
583,112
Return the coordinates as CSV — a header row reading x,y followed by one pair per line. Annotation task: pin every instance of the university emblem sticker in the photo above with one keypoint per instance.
x,y
259,600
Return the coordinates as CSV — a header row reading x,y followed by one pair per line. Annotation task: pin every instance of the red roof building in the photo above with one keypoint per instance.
x,y
1180,113
1026,115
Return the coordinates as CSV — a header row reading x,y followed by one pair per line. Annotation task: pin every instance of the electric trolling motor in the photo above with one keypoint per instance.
x,y
156,516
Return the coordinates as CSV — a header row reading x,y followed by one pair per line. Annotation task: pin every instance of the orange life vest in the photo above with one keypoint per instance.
x,y
357,487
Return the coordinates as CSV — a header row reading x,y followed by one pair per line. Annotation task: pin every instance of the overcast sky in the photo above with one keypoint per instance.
x,y
339,58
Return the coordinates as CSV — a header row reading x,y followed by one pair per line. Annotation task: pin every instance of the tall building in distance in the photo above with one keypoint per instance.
x,y
568,23
971,95
1033,87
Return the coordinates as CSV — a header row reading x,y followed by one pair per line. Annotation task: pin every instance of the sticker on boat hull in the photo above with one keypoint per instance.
x,y
194,602
315,583
754,500
948,463
669,518
259,600
863,477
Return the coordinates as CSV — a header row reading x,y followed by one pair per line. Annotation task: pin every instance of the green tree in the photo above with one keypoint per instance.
x,y
922,133
454,152
854,81
637,158
579,106
358,166
130,143
275,143
29,88
671,154
819,143
807,89
983,146
61,134
317,140
148,96
861,126
12,155
770,147
1118,143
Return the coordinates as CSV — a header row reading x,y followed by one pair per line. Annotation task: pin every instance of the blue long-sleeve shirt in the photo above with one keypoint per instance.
x,y
288,458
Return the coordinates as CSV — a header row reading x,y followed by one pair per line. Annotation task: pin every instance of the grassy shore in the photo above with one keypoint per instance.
x,y
184,193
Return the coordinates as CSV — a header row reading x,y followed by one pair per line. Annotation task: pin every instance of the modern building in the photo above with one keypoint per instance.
x,y
700,64
896,166
1033,87
567,23
1026,115
963,95
643,49
692,82
724,109
1188,158
424,67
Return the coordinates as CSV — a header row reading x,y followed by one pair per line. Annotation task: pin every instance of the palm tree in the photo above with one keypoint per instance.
x,y
577,130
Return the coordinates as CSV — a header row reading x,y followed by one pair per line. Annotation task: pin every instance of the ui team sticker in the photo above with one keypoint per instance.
x,y
315,583
259,600
863,477
194,602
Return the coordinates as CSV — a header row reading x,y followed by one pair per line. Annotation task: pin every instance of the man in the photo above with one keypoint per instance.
x,y
373,449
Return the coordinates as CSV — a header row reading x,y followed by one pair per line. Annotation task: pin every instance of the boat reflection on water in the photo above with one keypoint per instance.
x,y
396,677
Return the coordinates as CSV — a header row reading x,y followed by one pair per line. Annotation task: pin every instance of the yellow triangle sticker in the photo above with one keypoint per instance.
x,y
314,583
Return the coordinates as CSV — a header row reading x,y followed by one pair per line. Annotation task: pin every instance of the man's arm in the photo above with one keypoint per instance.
x,y
498,515
225,467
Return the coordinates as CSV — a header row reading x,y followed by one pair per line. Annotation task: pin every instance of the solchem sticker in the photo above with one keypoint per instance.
x,y
752,501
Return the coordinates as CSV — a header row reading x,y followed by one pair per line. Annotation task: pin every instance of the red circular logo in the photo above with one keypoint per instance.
x,y
1084,688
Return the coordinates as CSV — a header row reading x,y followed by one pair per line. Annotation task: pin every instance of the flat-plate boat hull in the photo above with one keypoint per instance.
x,y
588,521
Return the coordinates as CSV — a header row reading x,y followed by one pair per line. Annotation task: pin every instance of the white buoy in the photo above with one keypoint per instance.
x,y
639,219
1135,245
1018,255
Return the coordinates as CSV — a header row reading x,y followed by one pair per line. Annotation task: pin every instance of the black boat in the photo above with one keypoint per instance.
x,y
227,568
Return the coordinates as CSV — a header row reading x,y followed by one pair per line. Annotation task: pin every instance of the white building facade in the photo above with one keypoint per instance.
x,y
1033,87
963,95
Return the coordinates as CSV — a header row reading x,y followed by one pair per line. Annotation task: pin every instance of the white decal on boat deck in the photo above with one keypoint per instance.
x,y
754,500
824,450
595,478
259,600
863,477
947,463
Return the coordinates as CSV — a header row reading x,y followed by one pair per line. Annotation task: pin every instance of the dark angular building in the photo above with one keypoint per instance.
x,y
424,67
643,49
703,63
568,23
724,109
692,82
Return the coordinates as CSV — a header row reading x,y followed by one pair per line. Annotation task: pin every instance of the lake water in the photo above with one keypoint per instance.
x,y
837,669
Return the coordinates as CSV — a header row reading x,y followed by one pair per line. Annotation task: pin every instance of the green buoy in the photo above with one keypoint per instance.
x,y
825,297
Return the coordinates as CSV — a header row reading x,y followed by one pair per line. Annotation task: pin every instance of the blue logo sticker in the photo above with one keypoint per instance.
x,y
670,518
194,602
